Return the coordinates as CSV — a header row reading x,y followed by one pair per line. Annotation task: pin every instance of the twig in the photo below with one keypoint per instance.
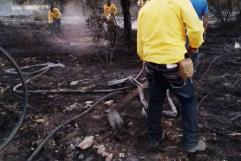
x,y
233,119
209,67
101,61
201,101
220,133
236,83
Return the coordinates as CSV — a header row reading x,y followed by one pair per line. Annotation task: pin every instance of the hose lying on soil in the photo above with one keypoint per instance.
x,y
30,158
25,95
133,80
45,68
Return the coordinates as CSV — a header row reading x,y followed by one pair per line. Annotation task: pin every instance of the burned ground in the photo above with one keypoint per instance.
x,y
217,80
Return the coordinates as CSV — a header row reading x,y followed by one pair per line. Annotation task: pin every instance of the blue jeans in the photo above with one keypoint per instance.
x,y
159,80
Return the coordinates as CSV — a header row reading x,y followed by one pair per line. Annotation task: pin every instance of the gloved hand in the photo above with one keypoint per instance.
x,y
108,17
191,50
115,119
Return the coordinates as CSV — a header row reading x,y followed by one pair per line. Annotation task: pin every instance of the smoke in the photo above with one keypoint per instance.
x,y
7,8
74,13
75,32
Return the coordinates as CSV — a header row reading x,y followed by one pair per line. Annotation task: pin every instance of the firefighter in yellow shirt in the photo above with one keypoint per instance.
x,y
109,10
54,20
161,39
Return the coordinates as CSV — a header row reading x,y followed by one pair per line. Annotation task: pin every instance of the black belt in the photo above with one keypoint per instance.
x,y
161,66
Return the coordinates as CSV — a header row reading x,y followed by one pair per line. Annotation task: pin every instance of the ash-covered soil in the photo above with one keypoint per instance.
x,y
217,80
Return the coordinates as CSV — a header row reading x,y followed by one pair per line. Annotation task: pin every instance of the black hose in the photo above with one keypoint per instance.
x,y
36,151
25,95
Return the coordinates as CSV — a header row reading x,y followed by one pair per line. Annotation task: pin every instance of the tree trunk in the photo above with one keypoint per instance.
x,y
61,6
127,21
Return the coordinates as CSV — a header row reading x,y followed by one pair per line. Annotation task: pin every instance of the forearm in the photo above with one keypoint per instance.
x,y
50,20
139,42
196,37
139,47
192,24
205,22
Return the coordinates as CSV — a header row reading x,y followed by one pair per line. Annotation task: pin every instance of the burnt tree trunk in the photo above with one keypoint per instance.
x,y
61,5
127,21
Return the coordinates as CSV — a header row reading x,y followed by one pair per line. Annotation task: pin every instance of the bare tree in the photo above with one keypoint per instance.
x,y
127,20
224,9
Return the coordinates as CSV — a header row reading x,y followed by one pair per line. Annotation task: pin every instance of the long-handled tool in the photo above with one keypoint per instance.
x,y
114,117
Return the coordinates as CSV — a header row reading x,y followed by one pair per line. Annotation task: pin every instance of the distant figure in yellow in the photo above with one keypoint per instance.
x,y
54,20
109,10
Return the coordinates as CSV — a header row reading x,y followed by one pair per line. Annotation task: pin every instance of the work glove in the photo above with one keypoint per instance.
x,y
191,50
115,119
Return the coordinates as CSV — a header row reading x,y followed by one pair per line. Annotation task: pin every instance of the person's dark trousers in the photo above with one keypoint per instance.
x,y
159,80
55,27
51,28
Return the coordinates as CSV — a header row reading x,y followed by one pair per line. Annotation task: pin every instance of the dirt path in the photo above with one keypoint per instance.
x,y
76,35
216,80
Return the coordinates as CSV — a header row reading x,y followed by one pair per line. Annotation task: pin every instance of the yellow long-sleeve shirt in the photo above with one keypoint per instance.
x,y
54,15
162,29
110,9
